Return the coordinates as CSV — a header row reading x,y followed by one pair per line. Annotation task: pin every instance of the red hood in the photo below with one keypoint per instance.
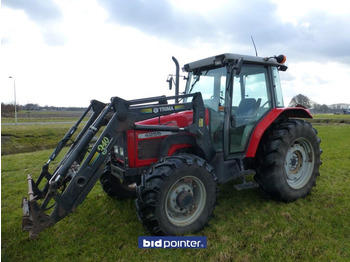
x,y
180,119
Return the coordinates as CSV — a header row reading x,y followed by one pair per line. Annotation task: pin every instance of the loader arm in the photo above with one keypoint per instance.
x,y
96,107
74,178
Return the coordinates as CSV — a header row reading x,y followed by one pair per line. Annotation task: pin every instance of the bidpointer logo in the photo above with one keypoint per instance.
x,y
172,242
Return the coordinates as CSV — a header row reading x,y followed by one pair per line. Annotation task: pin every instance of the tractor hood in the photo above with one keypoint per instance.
x,y
180,119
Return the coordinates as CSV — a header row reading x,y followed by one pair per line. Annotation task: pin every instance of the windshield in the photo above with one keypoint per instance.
x,y
211,83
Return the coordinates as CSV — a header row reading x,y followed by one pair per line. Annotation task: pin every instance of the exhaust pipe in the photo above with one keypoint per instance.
x,y
177,79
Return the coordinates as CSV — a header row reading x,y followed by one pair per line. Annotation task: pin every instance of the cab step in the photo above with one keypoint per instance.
x,y
246,185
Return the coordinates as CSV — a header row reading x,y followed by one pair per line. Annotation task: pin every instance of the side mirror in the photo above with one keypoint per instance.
x,y
170,81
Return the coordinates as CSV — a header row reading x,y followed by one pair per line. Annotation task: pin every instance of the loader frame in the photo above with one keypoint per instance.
x,y
81,167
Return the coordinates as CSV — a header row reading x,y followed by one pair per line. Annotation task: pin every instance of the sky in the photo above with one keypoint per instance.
x,y
67,52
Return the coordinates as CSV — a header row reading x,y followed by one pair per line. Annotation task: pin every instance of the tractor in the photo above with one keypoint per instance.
x,y
170,153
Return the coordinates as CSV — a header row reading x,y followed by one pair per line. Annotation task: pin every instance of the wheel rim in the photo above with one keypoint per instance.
x,y
185,201
299,163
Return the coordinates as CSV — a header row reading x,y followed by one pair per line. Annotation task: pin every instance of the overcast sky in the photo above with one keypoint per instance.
x,y
67,52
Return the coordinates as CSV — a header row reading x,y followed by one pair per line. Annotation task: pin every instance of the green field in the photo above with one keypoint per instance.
x,y
31,138
330,119
246,227
43,116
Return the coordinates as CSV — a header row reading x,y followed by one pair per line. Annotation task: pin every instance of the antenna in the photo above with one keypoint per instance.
x,y
256,52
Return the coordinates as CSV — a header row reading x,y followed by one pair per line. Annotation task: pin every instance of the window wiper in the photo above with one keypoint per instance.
x,y
197,79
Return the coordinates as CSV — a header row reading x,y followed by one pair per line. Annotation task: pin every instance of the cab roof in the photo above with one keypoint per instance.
x,y
227,57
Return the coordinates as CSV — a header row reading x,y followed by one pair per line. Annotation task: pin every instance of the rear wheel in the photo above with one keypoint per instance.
x,y
288,160
178,196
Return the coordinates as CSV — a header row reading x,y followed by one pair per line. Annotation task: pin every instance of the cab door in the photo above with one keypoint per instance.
x,y
251,99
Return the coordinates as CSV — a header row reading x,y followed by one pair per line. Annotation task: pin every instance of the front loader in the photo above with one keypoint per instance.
x,y
79,170
169,153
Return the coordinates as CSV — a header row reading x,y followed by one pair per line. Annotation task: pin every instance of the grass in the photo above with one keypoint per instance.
x,y
330,119
330,116
29,138
43,116
246,225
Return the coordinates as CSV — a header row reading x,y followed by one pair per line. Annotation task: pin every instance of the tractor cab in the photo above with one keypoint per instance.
x,y
238,92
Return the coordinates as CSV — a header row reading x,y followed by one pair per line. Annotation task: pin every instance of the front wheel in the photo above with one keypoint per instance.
x,y
178,196
113,187
288,160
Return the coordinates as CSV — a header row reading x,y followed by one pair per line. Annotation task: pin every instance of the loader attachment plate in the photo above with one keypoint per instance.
x,y
34,219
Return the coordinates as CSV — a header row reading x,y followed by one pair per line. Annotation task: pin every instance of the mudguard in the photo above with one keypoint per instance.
x,y
265,123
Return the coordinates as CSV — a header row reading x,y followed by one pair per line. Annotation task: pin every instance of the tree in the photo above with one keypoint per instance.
x,y
324,109
320,109
316,107
7,110
300,100
31,106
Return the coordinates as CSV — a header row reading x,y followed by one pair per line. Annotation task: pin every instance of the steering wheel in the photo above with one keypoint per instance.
x,y
222,100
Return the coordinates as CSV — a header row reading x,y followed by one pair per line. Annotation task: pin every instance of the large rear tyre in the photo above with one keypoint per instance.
x,y
288,160
178,196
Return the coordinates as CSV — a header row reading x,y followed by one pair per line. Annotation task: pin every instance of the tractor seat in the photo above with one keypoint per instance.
x,y
246,110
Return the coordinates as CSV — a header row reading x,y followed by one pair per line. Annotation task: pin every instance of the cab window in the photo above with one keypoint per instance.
x,y
250,101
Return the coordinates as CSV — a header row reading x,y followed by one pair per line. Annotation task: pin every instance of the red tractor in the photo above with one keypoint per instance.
x,y
169,153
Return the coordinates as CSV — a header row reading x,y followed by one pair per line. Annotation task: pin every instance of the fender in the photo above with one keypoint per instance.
x,y
272,116
175,142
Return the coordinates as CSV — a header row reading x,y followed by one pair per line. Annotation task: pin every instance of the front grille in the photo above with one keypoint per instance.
x,y
147,149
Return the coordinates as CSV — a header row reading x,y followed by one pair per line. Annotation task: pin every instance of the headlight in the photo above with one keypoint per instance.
x,y
119,151
116,150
